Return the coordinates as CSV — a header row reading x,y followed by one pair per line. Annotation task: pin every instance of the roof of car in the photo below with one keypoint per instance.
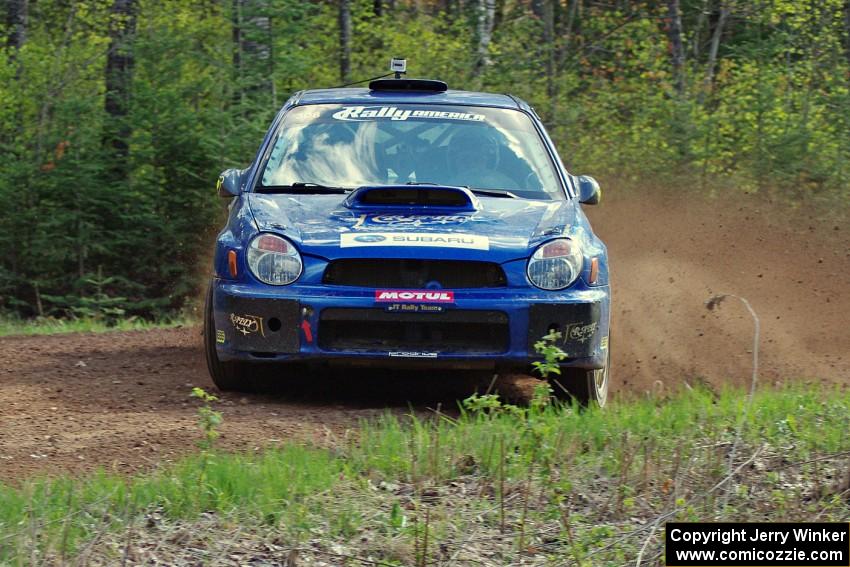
x,y
366,96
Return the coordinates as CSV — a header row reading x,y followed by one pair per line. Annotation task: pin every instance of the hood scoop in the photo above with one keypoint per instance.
x,y
430,198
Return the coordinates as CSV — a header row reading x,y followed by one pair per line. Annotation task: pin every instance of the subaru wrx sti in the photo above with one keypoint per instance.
x,y
403,225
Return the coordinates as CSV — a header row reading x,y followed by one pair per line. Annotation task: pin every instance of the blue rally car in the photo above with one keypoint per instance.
x,y
408,225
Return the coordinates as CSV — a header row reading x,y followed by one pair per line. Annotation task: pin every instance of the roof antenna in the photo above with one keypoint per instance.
x,y
398,66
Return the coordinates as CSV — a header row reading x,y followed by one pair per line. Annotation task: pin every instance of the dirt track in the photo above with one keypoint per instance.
x,y
670,254
120,400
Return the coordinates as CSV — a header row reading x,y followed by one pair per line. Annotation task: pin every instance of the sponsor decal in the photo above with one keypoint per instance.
x,y
581,332
247,324
219,337
364,113
416,239
413,308
420,296
412,220
603,344
412,354
369,238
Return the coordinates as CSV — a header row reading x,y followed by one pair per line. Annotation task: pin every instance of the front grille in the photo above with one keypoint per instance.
x,y
449,332
412,274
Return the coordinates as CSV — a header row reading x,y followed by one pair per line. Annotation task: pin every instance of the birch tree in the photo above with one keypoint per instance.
x,y
725,10
344,41
677,47
486,13
847,31
253,59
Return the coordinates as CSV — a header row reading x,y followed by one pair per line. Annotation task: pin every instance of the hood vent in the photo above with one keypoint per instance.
x,y
452,199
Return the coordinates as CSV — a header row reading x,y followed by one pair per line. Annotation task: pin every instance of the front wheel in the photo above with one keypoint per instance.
x,y
587,387
227,376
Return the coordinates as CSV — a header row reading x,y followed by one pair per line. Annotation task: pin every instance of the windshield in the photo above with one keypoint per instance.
x,y
350,146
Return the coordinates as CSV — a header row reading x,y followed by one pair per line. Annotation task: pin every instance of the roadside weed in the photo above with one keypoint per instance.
x,y
552,354
208,418
497,481
51,325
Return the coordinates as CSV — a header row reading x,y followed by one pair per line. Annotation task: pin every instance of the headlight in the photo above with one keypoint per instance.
x,y
274,260
555,264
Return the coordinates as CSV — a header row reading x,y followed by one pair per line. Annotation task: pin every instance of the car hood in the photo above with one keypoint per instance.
x,y
498,230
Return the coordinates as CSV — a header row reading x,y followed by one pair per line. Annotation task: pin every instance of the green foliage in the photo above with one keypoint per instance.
x,y
96,305
583,482
208,418
552,355
80,241
53,325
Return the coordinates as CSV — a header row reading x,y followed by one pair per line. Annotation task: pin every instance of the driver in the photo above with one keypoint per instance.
x,y
473,159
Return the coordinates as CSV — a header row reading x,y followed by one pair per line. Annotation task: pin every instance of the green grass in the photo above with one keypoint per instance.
x,y
547,483
49,325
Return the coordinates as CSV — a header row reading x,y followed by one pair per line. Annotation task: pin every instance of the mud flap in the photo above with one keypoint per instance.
x,y
260,325
578,323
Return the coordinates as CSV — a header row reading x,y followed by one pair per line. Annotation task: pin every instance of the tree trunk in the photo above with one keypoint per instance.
x,y
563,40
697,34
16,19
119,68
486,17
537,7
708,82
236,26
847,30
677,48
344,41
549,48
252,51
499,16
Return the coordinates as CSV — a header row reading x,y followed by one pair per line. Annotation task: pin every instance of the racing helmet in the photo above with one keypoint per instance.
x,y
474,147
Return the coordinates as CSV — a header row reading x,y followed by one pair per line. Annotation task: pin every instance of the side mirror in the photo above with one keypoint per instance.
x,y
589,192
229,183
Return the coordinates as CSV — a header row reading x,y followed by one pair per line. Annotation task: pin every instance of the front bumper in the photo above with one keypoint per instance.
x,y
480,328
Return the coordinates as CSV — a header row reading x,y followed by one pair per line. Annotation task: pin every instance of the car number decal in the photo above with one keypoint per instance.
x,y
414,239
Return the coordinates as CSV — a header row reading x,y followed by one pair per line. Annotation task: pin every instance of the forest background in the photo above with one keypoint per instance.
x,y
116,116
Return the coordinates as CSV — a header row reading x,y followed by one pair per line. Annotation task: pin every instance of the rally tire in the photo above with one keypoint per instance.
x,y
227,376
588,388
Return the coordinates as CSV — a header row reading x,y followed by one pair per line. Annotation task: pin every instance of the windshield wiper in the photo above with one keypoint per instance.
x,y
303,188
